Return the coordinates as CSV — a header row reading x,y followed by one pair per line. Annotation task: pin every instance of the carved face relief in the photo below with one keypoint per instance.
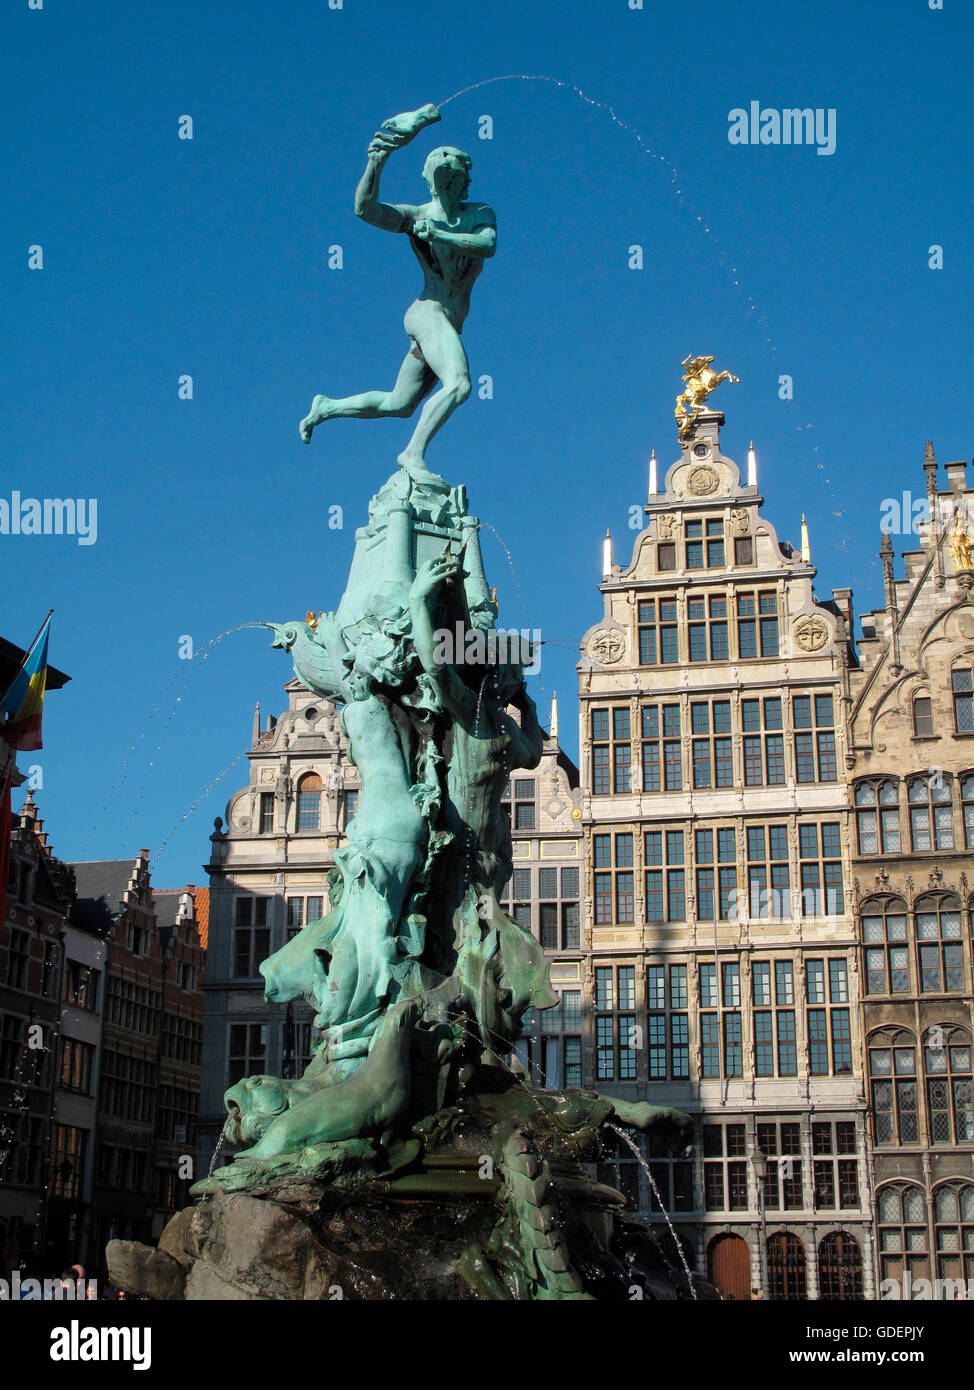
x,y
811,634
703,481
607,647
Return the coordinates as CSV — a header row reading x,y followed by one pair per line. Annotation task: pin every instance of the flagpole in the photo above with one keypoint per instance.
x,y
37,638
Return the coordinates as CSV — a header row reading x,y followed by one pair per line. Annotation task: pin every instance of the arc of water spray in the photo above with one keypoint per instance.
x,y
520,593
685,201
187,671
626,1139
675,176
193,805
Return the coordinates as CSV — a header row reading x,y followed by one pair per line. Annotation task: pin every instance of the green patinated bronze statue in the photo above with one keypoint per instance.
x,y
418,978
451,239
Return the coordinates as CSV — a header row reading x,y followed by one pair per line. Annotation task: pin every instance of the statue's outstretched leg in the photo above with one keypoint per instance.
x,y
415,380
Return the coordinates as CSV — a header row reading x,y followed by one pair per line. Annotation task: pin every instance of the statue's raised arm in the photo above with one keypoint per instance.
x,y
395,133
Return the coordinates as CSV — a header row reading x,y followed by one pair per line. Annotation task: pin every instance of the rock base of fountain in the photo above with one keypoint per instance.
x,y
489,1200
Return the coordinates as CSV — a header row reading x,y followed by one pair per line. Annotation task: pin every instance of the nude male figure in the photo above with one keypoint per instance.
x,y
451,239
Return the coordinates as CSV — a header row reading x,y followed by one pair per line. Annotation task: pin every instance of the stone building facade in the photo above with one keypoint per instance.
x,y
544,894
720,965
910,761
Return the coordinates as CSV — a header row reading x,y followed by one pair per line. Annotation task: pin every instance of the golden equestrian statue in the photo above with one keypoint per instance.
x,y
700,380
960,545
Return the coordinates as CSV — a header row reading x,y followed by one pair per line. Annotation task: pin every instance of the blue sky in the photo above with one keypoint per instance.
x,y
209,257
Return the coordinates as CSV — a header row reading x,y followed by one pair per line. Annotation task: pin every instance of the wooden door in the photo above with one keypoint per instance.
x,y
729,1261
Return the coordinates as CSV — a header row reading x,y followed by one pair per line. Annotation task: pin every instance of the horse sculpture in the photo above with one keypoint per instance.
x,y
700,380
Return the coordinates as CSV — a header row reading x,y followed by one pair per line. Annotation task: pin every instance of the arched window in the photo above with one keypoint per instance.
x,y
893,1086
953,1205
309,801
931,824
886,948
786,1267
878,817
947,1064
939,944
839,1267
967,800
902,1213
962,685
922,716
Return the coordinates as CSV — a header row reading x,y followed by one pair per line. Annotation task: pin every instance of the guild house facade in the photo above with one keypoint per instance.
x,y
719,928
911,767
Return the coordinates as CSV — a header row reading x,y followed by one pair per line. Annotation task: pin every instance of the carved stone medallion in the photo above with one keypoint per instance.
x,y
811,634
607,647
703,481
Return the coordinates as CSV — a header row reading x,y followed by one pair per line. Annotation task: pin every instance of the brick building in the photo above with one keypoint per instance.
x,y
39,893
151,1046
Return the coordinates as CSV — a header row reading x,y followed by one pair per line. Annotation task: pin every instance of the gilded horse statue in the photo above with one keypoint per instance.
x,y
701,380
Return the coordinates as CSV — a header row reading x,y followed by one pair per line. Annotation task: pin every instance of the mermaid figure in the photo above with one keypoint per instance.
x,y
344,963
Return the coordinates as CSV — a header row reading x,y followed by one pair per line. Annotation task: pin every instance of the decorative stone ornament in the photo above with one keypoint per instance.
x,y
607,647
703,481
811,634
